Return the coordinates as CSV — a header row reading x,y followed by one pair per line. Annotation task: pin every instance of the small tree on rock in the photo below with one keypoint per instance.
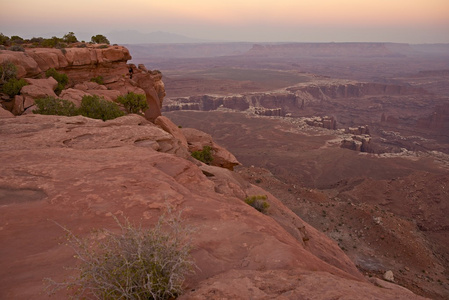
x,y
70,38
99,39
134,103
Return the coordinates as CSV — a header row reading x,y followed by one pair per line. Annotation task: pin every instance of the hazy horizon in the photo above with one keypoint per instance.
x,y
417,21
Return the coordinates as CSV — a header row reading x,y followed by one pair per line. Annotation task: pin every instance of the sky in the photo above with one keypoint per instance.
x,y
408,21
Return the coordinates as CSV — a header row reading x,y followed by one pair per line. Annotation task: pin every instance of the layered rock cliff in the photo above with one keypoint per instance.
x,y
292,99
81,65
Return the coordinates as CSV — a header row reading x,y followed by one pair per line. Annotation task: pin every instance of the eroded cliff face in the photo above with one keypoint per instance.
x,y
81,65
292,99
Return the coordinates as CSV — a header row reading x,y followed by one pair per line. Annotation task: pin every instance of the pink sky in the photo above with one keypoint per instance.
x,y
413,21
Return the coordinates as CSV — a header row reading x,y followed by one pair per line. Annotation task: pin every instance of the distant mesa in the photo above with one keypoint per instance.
x,y
136,37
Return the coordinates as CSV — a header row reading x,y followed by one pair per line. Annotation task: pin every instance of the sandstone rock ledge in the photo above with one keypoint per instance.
x,y
79,172
81,65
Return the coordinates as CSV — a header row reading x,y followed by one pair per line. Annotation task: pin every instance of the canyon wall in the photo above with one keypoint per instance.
x,y
292,99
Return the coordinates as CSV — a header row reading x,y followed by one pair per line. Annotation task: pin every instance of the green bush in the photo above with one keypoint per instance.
x,y
98,79
98,108
62,79
204,155
4,40
17,48
52,42
15,39
134,103
137,263
8,70
70,38
13,86
53,106
258,202
99,39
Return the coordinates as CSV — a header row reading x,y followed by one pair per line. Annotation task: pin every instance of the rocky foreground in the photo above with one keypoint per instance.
x,y
81,172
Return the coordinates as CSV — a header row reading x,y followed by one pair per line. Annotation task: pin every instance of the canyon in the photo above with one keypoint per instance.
x,y
291,114
341,221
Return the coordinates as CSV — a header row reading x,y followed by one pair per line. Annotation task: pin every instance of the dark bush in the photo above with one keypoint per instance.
x,y
99,39
258,202
137,263
62,79
37,40
8,70
15,39
51,43
98,108
134,103
16,48
4,40
204,155
53,106
70,38
13,86
98,79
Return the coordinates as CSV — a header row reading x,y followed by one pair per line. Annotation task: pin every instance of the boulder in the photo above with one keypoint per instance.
x,y
112,54
5,113
170,127
81,56
48,58
89,85
388,276
18,108
26,65
93,88
197,139
110,95
73,95
39,88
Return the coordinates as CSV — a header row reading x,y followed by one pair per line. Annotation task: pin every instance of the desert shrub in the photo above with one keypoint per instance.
x,y
70,38
51,42
17,48
15,39
82,45
4,40
37,40
8,70
134,103
13,86
258,202
98,79
98,108
62,79
137,263
204,155
53,106
99,39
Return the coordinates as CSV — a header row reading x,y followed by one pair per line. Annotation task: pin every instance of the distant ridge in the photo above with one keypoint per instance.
x,y
157,37
332,49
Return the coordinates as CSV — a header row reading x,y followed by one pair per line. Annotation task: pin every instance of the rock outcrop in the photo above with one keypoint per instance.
x,y
197,139
79,172
322,122
81,65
